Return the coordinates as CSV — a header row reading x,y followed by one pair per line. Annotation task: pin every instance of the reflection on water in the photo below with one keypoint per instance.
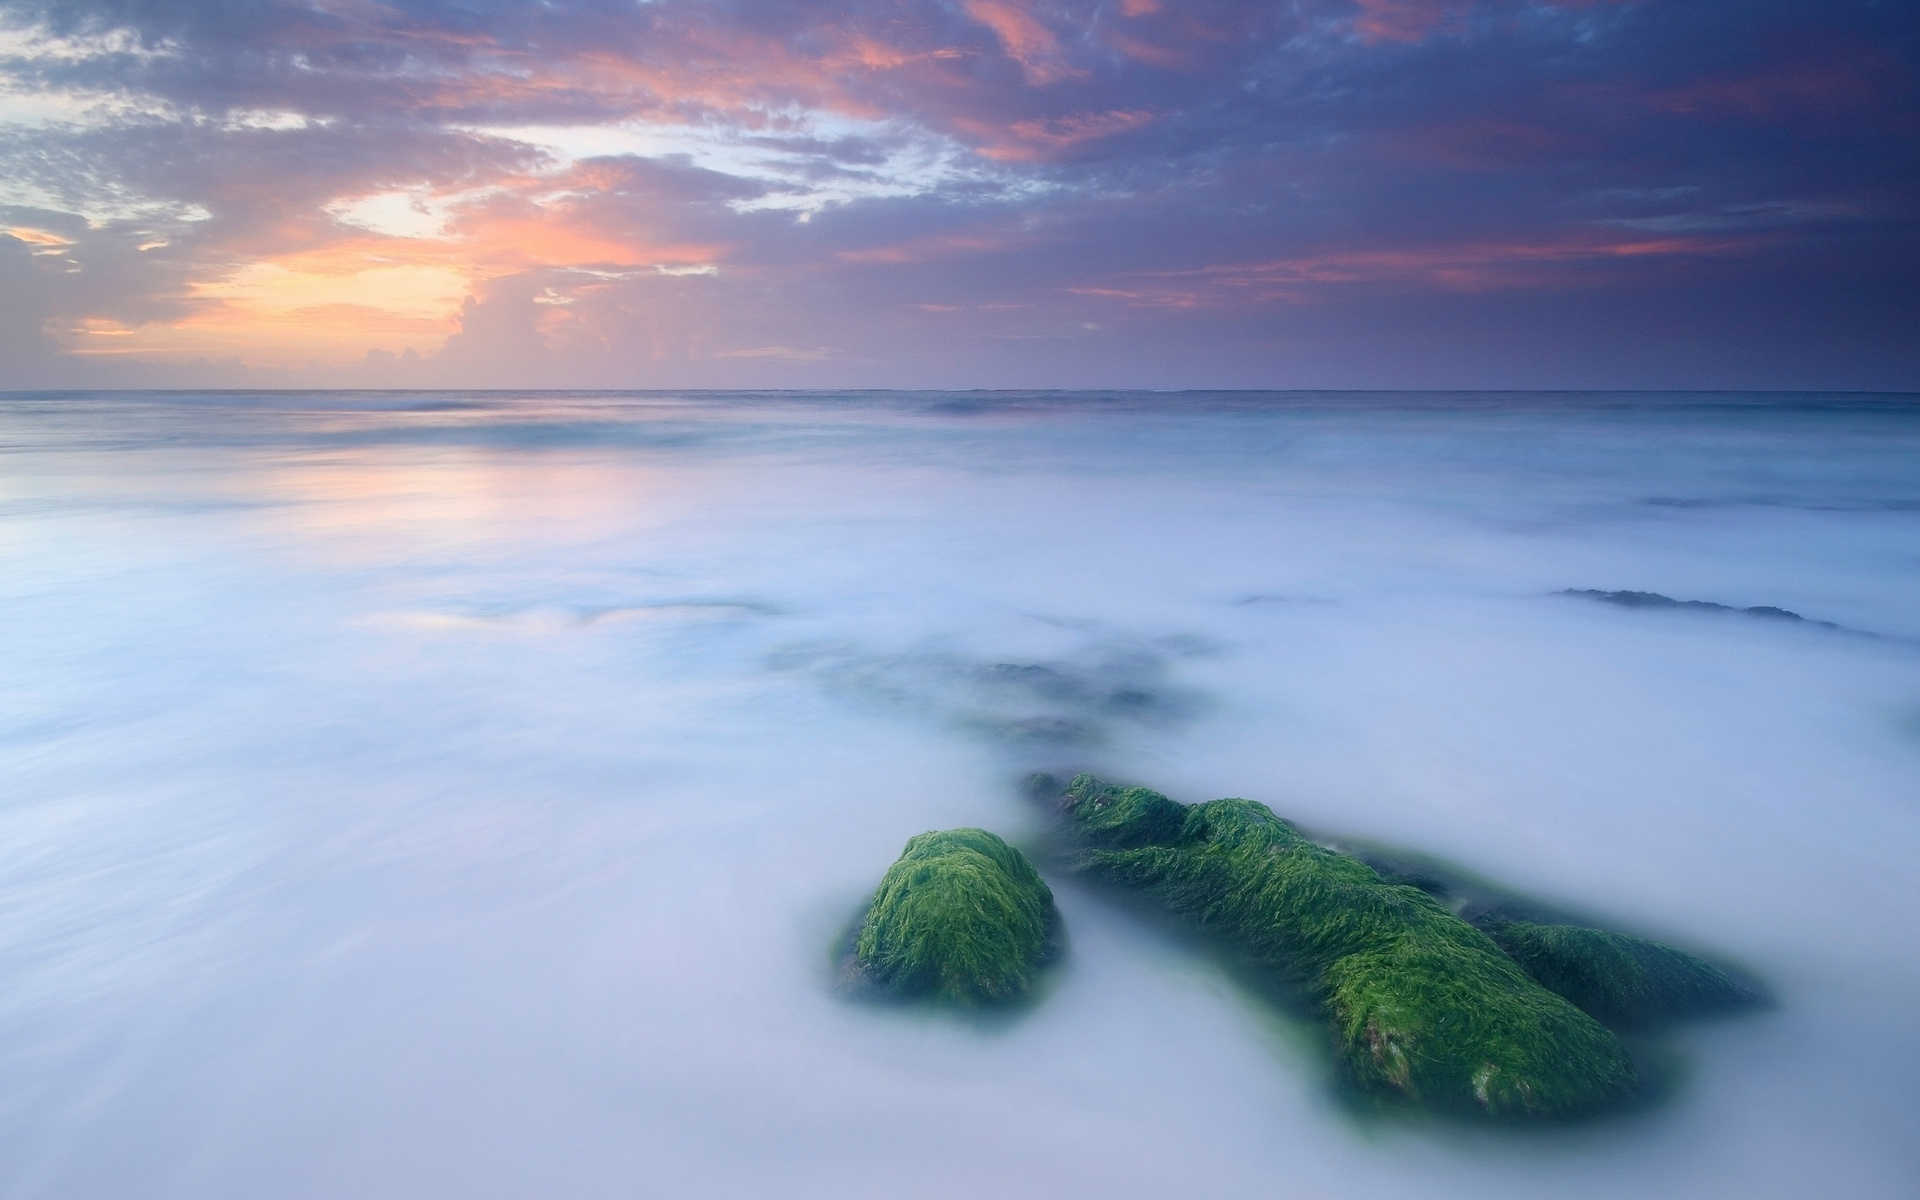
x,y
459,795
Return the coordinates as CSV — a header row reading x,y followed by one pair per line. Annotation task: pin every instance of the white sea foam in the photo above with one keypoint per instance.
x,y
460,796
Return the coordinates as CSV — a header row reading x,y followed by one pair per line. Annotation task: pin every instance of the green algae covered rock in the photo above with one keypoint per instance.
x,y
1422,1004
1619,979
961,917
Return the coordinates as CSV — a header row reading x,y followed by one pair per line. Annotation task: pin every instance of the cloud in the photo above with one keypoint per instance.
x,y
1582,256
617,193
1027,41
779,353
1403,20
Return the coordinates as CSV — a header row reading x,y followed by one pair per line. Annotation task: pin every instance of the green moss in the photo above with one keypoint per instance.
x,y
961,917
1421,1004
1621,980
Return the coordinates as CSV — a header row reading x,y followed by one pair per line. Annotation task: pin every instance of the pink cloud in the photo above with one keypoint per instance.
x,y
1401,20
1026,40
1815,87
1040,138
1154,54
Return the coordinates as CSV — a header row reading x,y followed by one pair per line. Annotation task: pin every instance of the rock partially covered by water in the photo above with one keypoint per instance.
x,y
1619,979
1421,1004
961,917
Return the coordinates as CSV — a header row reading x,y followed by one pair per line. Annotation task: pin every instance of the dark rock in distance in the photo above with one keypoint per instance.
x,y
961,918
1656,600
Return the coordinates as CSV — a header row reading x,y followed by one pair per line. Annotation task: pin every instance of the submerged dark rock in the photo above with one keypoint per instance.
x,y
1088,699
961,917
1421,1004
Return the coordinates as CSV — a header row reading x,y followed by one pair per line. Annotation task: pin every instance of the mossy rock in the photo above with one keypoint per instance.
x,y
961,918
1422,1005
1625,981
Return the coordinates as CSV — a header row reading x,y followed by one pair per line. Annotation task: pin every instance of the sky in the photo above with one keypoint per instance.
x,y
960,193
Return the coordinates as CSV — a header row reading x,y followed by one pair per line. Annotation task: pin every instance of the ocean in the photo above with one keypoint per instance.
x,y
466,794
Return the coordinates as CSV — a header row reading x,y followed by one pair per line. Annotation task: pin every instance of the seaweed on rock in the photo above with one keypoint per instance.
x,y
961,917
1624,981
1422,1004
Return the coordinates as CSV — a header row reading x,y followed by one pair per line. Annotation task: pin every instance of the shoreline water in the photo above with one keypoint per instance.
x,y
455,800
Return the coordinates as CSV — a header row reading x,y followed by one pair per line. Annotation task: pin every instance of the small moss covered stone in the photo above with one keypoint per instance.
x,y
1421,1003
961,917
1619,979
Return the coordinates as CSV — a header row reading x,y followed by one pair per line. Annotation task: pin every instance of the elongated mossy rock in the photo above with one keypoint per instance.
x,y
961,917
1421,1003
1619,979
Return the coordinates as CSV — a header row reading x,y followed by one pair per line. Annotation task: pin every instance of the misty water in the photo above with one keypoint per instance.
x,y
462,795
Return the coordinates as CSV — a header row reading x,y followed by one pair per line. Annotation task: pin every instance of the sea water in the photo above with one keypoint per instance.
x,y
464,795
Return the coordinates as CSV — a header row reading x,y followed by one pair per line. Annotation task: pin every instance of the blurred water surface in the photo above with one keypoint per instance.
x,y
459,795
